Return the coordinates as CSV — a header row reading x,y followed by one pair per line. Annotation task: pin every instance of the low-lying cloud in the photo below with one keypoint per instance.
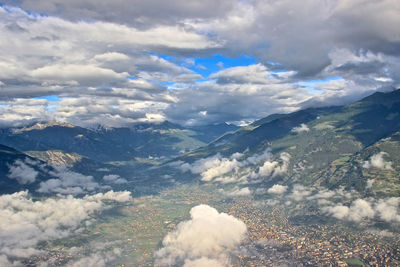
x,y
68,182
25,222
237,168
22,172
365,210
209,237
377,161
239,192
302,128
114,179
277,189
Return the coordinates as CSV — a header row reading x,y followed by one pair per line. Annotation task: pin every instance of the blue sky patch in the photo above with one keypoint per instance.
x,y
52,98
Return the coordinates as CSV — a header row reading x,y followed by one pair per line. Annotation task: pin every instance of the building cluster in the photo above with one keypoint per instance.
x,y
275,241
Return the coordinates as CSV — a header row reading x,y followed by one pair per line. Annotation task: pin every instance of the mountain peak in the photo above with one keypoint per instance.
x,y
43,125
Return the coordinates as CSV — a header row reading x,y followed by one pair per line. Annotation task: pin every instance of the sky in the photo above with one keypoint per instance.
x,y
117,63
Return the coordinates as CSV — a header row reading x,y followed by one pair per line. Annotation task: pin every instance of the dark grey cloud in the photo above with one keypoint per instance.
x,y
81,51
138,13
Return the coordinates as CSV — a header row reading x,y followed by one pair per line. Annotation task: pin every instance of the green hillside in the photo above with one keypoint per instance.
x,y
327,146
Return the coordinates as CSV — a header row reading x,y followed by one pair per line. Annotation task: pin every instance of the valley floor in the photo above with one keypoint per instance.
x,y
130,234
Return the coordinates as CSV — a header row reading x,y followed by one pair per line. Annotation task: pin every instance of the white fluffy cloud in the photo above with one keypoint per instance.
x,y
114,179
299,192
365,210
236,192
388,209
121,196
377,161
208,237
68,182
236,168
302,128
25,222
277,189
273,168
212,167
22,172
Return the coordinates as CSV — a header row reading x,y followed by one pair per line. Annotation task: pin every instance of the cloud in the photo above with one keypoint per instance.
x,y
370,183
302,128
22,172
147,53
53,57
212,167
346,205
388,209
98,259
366,210
377,161
277,189
77,74
299,192
360,209
137,13
252,74
338,211
121,196
25,222
273,168
68,182
236,168
202,262
114,179
208,237
245,191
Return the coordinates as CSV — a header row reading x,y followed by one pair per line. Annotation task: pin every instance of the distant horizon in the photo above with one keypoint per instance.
x,y
237,124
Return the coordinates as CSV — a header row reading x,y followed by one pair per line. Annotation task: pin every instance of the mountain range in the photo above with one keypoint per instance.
x,y
110,144
355,146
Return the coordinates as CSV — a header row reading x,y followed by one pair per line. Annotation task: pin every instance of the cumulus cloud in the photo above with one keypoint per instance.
x,y
273,168
365,210
121,196
72,67
302,128
114,179
377,161
22,172
25,222
342,204
208,237
245,191
212,167
299,192
388,209
68,182
277,189
237,168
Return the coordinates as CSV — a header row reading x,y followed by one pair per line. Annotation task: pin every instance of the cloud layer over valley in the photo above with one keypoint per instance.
x,y
24,222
